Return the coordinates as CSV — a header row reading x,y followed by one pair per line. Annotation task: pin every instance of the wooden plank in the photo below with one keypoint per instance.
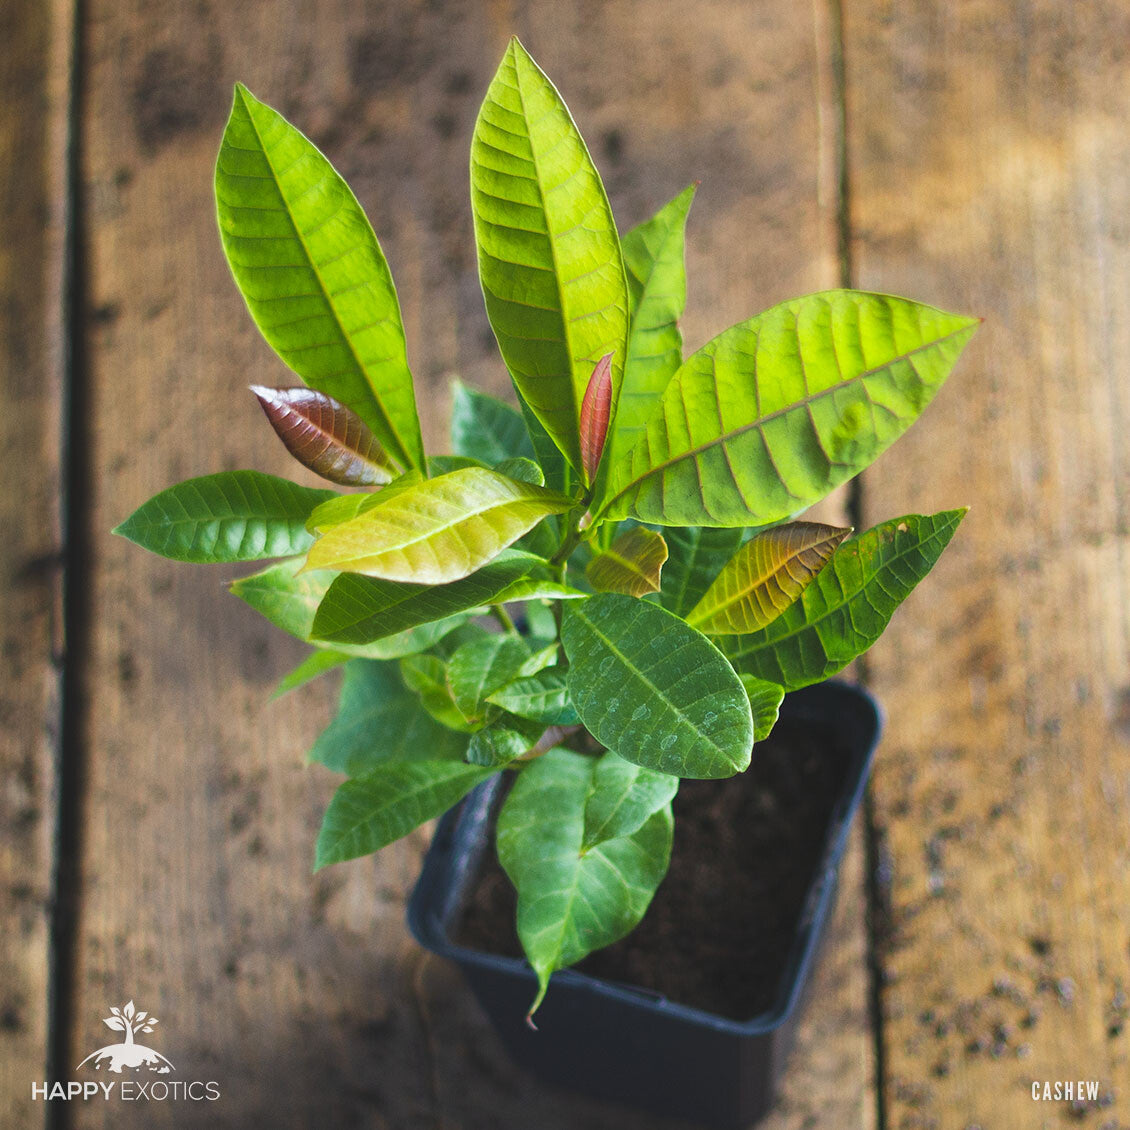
x,y
989,156
33,108
304,997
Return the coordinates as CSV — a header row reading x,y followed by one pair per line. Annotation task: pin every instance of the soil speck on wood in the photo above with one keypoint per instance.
x,y
718,933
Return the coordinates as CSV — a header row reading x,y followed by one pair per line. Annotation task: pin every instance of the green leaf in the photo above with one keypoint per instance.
x,y
623,798
479,668
765,701
487,429
232,516
845,610
343,507
774,413
359,610
523,470
317,663
549,256
312,272
631,564
654,690
445,464
539,661
379,719
289,599
571,902
764,577
657,292
439,530
426,676
537,588
389,802
502,741
695,556
557,471
543,697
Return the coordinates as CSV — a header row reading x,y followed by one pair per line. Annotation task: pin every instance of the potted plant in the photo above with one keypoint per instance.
x,y
592,600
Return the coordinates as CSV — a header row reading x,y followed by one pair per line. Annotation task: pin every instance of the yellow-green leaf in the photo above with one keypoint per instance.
x,y
631,564
764,577
771,415
549,256
312,272
438,530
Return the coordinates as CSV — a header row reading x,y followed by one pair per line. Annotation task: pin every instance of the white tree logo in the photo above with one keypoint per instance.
x,y
128,1053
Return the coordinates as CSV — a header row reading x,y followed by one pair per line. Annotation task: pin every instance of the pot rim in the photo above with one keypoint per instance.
x,y
430,922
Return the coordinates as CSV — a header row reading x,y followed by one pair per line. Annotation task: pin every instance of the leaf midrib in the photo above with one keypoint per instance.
x,y
651,686
391,802
402,455
374,515
808,624
699,614
758,424
552,241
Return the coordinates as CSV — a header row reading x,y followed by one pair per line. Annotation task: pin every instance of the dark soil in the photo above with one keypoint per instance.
x,y
719,932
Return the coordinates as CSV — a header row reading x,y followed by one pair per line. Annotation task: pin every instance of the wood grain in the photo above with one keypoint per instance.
x,y
33,77
303,996
988,154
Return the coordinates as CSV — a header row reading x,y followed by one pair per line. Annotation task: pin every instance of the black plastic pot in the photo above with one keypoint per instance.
x,y
626,1044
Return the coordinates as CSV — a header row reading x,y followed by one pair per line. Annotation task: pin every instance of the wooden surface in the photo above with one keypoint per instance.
x,y
986,157
303,996
989,158
32,124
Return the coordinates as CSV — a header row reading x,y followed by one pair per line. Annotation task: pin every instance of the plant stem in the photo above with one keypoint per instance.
x,y
503,617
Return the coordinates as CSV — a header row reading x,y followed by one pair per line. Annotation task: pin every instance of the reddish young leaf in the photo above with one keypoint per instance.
x,y
595,411
330,439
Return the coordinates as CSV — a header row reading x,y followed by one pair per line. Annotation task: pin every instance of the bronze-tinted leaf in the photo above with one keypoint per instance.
x,y
596,408
631,564
330,439
764,577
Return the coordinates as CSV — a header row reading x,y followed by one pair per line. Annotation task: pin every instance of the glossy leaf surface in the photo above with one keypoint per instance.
x,y
571,902
359,610
765,701
657,293
426,677
538,588
373,810
654,690
844,611
480,667
485,428
549,256
378,720
499,743
695,556
439,530
325,436
774,413
623,798
631,564
312,272
542,697
232,516
764,577
523,470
